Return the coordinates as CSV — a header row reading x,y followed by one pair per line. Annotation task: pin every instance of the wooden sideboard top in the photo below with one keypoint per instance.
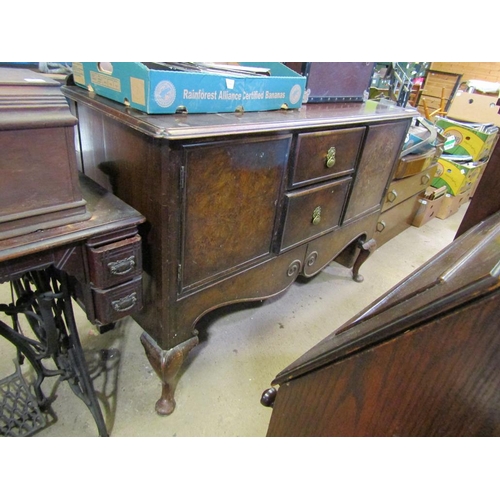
x,y
191,126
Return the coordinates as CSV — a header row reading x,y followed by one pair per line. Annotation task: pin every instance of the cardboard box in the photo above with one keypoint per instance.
x,y
468,140
451,204
475,108
476,183
427,210
154,90
456,177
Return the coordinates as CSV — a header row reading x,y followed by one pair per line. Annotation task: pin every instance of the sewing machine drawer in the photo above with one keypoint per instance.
x,y
324,155
117,302
115,263
313,211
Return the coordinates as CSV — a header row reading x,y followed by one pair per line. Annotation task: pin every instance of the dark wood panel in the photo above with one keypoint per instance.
x,y
382,148
438,380
39,182
419,361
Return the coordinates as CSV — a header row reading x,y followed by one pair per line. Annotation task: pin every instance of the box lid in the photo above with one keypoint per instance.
x,y
31,100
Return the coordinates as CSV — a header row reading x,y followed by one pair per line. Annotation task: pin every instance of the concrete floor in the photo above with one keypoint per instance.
x,y
241,349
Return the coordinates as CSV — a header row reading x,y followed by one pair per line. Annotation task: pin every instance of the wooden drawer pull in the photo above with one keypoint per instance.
x,y
380,226
330,157
121,267
125,303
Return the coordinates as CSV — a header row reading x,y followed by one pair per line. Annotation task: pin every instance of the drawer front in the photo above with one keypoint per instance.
x,y
402,189
324,155
396,220
117,302
115,263
313,211
414,163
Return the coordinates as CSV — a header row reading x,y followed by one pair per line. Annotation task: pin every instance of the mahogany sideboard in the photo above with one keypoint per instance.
x,y
422,360
237,204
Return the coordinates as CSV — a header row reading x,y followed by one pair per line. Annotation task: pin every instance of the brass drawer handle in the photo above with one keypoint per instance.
x,y
316,216
125,303
380,226
121,267
425,179
392,195
330,157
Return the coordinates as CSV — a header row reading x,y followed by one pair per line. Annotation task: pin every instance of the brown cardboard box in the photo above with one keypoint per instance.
x,y
427,210
451,204
475,108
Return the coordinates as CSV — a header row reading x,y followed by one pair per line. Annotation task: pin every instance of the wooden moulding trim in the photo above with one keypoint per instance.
x,y
41,211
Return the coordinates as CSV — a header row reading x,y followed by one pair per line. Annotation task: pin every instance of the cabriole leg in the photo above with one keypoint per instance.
x,y
167,364
367,248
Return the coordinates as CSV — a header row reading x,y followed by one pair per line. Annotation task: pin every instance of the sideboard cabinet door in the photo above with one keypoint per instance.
x,y
232,191
382,147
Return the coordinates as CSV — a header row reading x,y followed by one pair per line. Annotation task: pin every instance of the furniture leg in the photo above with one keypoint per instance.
x,y
46,303
367,248
167,364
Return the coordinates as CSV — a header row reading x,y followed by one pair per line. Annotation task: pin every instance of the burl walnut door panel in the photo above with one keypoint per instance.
x,y
381,149
231,195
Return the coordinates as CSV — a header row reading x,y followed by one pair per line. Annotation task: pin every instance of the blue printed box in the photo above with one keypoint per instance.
x,y
149,88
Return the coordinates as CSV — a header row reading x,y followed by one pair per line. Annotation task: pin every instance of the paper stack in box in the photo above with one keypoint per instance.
x,y
474,139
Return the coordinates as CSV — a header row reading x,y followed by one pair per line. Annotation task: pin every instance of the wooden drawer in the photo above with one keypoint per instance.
x,y
115,263
324,155
397,219
402,189
414,163
117,302
313,211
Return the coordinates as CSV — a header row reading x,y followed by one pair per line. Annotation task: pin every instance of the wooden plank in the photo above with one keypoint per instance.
x,y
487,71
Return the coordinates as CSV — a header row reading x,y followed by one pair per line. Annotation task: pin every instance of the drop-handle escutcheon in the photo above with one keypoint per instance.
x,y
331,157
316,216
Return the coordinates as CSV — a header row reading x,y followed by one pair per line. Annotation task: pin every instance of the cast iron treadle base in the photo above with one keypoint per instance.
x,y
20,415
